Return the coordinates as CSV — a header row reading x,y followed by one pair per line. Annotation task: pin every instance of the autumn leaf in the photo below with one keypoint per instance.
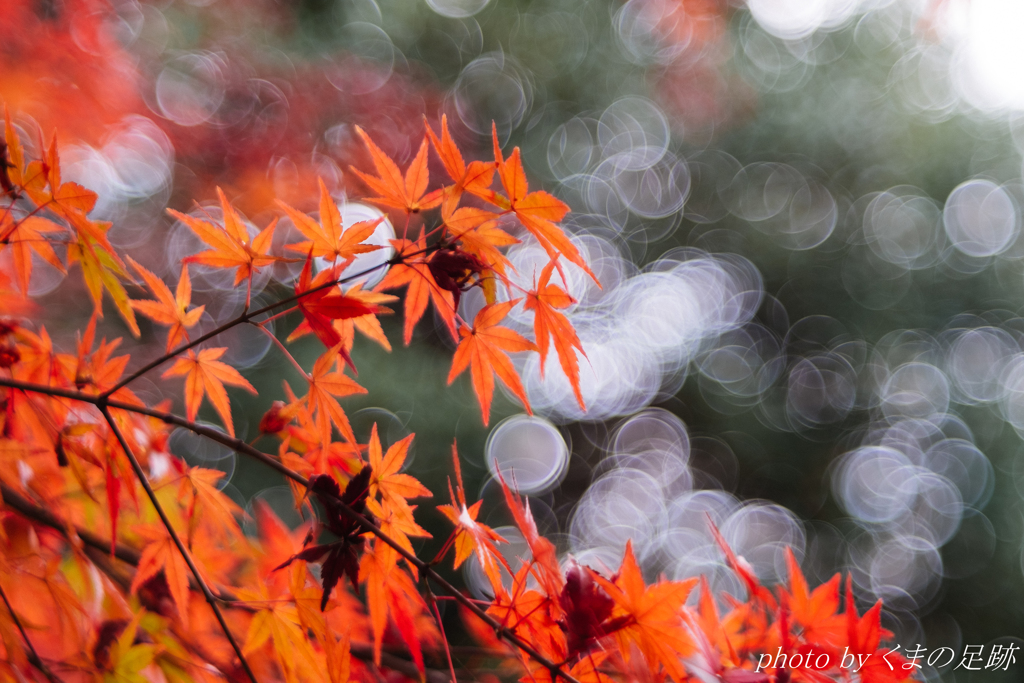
x,y
25,236
207,375
537,211
480,236
414,271
815,611
329,239
544,300
231,244
167,309
321,303
655,625
325,386
161,554
544,556
341,557
199,492
470,535
278,623
395,191
62,198
102,268
475,178
483,349
367,324
126,658
387,479
393,512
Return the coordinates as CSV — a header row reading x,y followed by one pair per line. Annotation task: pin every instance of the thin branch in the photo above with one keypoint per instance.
x,y
241,447
33,656
174,536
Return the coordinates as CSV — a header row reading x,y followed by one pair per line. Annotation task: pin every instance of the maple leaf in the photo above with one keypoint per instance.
x,y
742,568
98,370
279,623
537,211
232,246
587,608
393,512
390,591
329,239
205,501
544,556
340,557
654,624
368,324
207,375
124,657
481,237
162,555
548,324
168,309
470,535
44,186
324,386
405,193
388,480
814,611
102,268
422,287
453,271
320,304
483,349
475,178
25,236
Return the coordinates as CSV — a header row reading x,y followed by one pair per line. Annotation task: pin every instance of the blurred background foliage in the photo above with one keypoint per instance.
x,y
805,213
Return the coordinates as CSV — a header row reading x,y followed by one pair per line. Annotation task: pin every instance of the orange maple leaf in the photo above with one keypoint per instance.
x,y
161,553
198,486
167,309
475,178
205,374
481,237
422,287
470,535
23,235
538,211
387,478
324,386
232,246
814,611
483,349
329,239
405,193
548,323
655,625
101,266
63,198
